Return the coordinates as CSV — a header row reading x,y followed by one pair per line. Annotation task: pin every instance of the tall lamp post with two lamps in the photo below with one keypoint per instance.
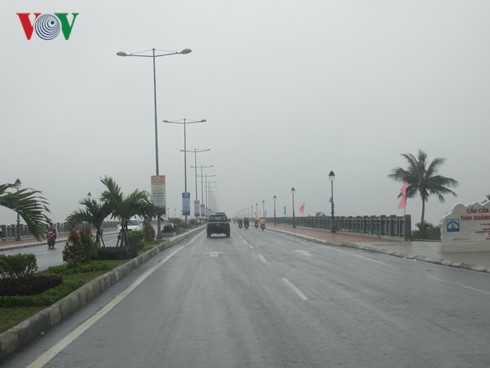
x,y
331,176
292,194
154,55
275,210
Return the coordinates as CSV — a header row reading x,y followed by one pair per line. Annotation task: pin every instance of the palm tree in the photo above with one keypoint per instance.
x,y
423,179
29,204
94,213
136,204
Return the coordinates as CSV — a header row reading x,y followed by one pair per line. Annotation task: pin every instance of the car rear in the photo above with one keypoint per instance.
x,y
218,224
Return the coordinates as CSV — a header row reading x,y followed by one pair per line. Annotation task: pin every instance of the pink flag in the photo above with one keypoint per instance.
x,y
302,208
403,200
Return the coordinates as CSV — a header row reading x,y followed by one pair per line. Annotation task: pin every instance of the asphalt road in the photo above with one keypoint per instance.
x,y
262,299
46,258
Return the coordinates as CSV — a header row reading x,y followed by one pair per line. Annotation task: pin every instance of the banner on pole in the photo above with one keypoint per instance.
x,y
158,195
186,204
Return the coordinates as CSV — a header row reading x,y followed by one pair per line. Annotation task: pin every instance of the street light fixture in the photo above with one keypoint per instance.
x,y
185,122
17,185
275,210
331,176
154,55
292,194
202,213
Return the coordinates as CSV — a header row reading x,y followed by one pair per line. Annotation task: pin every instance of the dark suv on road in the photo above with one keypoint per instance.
x,y
218,224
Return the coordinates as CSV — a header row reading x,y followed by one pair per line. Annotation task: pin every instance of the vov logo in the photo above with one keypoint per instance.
x,y
47,26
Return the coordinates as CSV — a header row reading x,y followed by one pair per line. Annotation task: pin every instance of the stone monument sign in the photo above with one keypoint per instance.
x,y
466,229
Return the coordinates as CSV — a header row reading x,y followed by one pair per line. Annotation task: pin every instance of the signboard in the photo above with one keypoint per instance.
x,y
467,228
196,208
158,195
202,210
186,204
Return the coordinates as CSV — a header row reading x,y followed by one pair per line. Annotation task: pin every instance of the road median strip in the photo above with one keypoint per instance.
x,y
36,325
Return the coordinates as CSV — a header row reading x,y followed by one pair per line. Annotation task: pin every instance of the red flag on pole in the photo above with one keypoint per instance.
x,y
403,200
302,209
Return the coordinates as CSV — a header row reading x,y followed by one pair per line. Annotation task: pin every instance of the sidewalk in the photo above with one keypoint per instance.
x,y
24,243
422,251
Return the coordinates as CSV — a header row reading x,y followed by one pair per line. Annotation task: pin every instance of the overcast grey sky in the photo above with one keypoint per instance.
x,y
291,89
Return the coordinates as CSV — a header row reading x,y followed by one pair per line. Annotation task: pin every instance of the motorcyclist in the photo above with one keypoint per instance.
x,y
51,235
262,223
246,223
240,223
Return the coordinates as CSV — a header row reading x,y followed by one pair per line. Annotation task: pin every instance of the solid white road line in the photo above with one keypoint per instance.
x,y
295,289
56,349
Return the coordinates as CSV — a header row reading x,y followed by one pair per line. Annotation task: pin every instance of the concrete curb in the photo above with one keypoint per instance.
x,y
370,248
26,331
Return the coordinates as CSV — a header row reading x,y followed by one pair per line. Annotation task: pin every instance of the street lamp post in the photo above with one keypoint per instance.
x,y
185,123
263,208
201,213
17,185
196,151
154,55
275,210
206,208
331,176
292,194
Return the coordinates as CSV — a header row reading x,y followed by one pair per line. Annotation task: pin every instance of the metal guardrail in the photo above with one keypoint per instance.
x,y
389,226
9,232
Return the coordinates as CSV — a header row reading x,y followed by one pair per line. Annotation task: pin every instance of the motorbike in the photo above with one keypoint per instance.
x,y
256,224
262,227
240,224
246,224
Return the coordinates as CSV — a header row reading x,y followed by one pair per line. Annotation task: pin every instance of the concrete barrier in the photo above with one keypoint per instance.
x,y
28,330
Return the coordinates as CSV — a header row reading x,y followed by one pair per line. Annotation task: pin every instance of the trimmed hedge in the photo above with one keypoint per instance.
x,y
28,286
18,266
117,253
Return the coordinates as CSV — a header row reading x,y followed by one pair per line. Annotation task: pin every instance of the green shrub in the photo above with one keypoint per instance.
x,y
427,231
80,248
168,228
135,239
148,231
17,266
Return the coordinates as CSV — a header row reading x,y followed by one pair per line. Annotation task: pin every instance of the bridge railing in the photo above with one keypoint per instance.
x,y
382,226
9,232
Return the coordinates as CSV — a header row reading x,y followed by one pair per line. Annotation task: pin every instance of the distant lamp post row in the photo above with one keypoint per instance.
x,y
154,55
185,122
